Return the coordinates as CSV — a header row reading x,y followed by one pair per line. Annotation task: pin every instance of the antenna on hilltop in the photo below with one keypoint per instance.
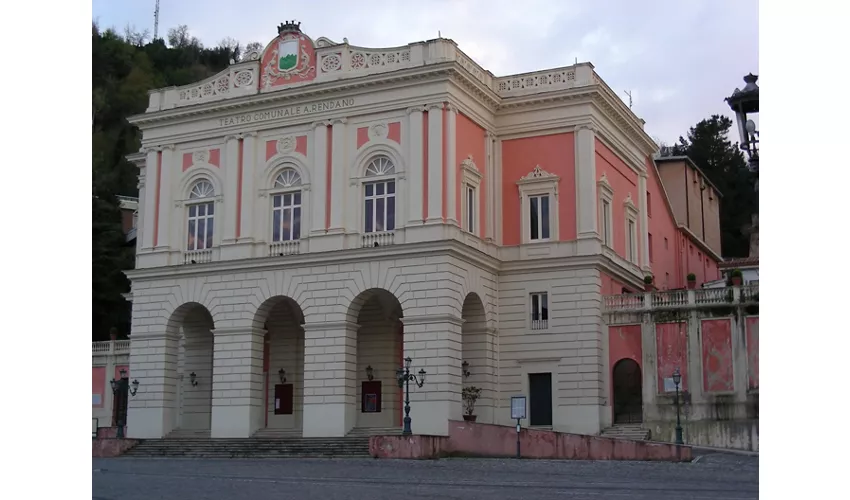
x,y
439,35
156,21
629,93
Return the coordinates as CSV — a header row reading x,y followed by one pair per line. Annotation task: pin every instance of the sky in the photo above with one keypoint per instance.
x,y
678,59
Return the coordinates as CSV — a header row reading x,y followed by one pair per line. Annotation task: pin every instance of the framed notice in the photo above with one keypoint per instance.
x,y
96,400
517,407
669,385
370,397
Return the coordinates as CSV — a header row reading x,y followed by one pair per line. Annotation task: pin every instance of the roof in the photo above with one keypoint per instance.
x,y
687,159
738,262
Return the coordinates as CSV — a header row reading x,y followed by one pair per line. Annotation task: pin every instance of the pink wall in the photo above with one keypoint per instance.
x,y
470,141
393,134
671,342
300,147
666,261
305,70
717,375
624,342
556,155
624,181
98,384
613,286
752,323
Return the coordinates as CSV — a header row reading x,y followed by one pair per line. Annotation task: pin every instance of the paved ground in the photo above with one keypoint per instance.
x,y
727,477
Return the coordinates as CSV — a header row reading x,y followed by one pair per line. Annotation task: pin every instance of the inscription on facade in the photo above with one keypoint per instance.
x,y
288,112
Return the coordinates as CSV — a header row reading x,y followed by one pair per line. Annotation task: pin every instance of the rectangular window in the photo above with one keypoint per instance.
x,y
200,230
286,217
606,223
539,217
539,311
470,209
379,207
648,205
631,242
650,247
666,244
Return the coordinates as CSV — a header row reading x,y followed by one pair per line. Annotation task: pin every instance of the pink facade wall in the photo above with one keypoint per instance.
x,y
624,182
666,261
613,286
393,134
98,384
752,325
300,147
556,155
671,342
717,374
470,140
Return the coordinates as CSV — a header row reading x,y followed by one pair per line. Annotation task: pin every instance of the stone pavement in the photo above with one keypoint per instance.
x,y
716,476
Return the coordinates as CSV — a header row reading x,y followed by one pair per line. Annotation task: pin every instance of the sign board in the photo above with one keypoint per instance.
x,y
517,407
96,400
669,386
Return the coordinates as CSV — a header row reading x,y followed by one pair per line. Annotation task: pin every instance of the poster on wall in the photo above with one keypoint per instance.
x,y
669,385
95,400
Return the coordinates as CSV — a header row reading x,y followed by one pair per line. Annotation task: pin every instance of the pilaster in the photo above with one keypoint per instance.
x,y
497,193
490,200
435,163
451,165
246,232
644,224
152,412
319,177
151,177
237,399
585,165
339,179
143,203
166,198
232,159
434,343
330,366
414,164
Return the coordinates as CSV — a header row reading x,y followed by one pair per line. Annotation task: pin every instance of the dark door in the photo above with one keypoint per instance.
x,y
540,391
283,399
628,392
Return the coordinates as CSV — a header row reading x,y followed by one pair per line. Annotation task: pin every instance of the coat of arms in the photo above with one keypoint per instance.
x,y
287,54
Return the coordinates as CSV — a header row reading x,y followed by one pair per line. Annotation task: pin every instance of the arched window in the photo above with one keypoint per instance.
x,y
201,208
286,206
379,196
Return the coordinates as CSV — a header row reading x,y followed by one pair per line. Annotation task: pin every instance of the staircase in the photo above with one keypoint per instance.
x,y
366,432
633,432
266,445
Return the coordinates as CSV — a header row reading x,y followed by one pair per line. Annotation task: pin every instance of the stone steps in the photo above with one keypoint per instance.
x,y
374,431
626,431
251,448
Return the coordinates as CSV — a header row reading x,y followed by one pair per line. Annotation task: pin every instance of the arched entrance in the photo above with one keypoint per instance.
x,y
378,314
476,357
283,365
628,392
194,325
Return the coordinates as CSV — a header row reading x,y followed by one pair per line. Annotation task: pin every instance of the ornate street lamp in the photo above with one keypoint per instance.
x,y
677,379
282,375
120,387
404,377
193,379
745,104
370,373
465,368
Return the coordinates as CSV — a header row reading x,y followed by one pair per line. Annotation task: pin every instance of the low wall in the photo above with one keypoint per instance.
x,y
106,445
733,434
486,440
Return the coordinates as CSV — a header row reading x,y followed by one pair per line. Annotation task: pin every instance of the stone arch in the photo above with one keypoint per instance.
x,y
377,314
198,173
373,150
282,320
193,325
477,355
627,391
279,162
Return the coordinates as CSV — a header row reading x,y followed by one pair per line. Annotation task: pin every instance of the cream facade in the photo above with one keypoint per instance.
x,y
316,213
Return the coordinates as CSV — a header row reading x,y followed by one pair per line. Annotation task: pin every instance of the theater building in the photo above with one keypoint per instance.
x,y
319,211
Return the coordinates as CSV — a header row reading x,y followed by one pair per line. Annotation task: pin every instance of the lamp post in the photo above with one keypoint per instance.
x,y
745,103
404,377
120,387
677,379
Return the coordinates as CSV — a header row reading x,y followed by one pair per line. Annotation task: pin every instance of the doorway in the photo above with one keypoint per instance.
x,y
628,392
540,392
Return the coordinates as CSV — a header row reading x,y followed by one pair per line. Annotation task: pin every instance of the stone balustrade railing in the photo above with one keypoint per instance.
x,y
110,347
682,299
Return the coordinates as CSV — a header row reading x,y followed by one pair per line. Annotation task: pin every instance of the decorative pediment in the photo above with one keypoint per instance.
x,y
629,204
538,175
604,186
470,170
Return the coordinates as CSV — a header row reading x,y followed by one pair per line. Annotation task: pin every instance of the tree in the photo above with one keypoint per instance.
x,y
724,164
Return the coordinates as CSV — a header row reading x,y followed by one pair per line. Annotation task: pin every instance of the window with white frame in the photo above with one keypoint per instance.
x,y
538,193
606,217
471,185
286,206
201,216
539,311
379,192
631,230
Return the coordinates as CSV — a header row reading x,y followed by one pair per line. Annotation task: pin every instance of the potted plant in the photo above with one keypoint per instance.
x,y
647,281
692,281
470,396
736,276
113,333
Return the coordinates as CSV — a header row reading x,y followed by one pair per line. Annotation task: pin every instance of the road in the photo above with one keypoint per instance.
x,y
728,477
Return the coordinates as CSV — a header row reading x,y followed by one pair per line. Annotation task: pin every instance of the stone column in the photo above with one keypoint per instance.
x,y
644,223
232,144
451,164
435,163
339,179
319,177
140,220
585,165
330,393
247,231
237,400
166,197
414,164
497,164
149,216
152,412
490,201
433,342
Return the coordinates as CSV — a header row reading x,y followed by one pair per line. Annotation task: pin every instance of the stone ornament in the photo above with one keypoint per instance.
x,y
200,157
378,131
286,145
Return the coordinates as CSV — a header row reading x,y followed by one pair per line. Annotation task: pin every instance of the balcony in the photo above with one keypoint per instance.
x,y
110,347
377,239
682,299
198,256
280,248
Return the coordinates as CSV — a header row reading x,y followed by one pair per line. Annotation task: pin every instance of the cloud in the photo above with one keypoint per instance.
x,y
678,59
